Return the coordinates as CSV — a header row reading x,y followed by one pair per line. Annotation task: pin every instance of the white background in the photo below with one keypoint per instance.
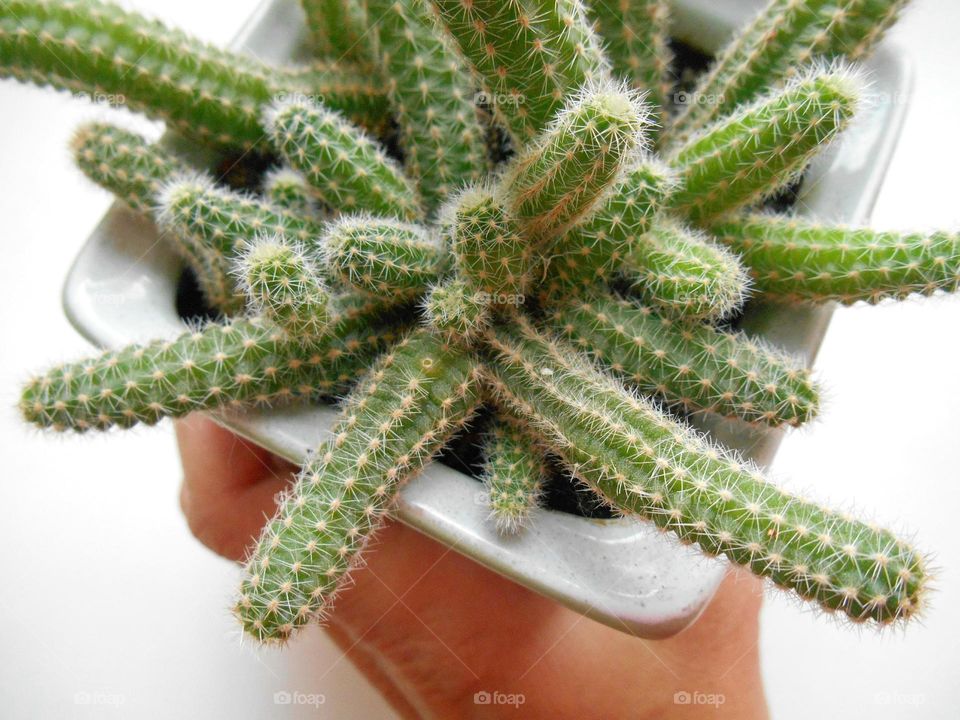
x,y
105,596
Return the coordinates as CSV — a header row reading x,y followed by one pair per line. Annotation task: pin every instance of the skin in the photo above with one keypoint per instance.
x,y
429,628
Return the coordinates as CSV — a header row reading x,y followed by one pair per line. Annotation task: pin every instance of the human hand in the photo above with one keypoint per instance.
x,y
431,628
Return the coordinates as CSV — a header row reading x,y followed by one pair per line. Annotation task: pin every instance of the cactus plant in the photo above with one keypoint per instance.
x,y
630,261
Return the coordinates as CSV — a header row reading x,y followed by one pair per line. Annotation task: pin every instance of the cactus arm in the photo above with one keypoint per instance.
x,y
457,311
392,260
693,367
343,165
136,170
125,163
224,220
591,251
684,274
418,395
796,260
288,191
490,249
432,95
636,34
528,55
241,362
338,29
785,35
762,147
283,285
561,177
645,464
208,93
513,474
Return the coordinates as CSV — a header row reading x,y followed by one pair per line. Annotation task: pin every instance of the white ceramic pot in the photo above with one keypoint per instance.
x,y
622,572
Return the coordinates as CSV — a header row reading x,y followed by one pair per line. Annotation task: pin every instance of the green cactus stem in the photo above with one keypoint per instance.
x,y
683,273
784,36
514,473
559,178
392,260
204,92
458,311
283,285
136,170
529,55
241,362
418,395
645,464
344,166
432,96
796,260
760,148
636,35
691,366
288,190
490,249
125,163
223,220
339,29
590,252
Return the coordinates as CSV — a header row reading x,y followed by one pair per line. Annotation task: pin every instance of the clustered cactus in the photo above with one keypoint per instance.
x,y
578,281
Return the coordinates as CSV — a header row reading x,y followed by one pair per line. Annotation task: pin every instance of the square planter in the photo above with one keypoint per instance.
x,y
623,572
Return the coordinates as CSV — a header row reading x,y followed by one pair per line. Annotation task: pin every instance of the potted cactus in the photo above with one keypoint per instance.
x,y
561,250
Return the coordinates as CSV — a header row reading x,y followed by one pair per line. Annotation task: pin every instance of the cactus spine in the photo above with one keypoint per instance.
x,y
691,366
784,36
432,96
762,147
393,260
796,260
208,93
529,55
644,463
344,166
513,473
457,311
417,396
